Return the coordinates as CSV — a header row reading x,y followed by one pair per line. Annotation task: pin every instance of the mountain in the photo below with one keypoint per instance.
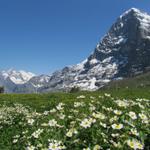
x,y
17,77
123,52
33,85
10,79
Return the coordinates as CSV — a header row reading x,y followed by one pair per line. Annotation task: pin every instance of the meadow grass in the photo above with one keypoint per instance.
x,y
112,119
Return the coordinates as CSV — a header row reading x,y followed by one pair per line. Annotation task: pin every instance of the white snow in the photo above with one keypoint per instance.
x,y
128,11
121,24
44,79
92,84
148,37
143,17
80,65
93,61
118,78
18,77
107,60
120,40
37,85
106,80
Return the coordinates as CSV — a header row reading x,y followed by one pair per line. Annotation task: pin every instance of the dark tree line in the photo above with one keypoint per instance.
x,y
1,90
75,90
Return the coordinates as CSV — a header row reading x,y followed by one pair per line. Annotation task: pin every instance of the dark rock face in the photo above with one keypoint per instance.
x,y
123,52
133,31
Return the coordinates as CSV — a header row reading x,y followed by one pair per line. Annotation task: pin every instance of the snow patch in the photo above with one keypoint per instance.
x,y
17,77
93,61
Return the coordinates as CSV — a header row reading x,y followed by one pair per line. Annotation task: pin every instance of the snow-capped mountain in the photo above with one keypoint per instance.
x,y
10,79
123,52
17,77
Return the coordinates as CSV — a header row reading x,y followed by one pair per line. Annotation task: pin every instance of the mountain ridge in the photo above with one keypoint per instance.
x,y
123,52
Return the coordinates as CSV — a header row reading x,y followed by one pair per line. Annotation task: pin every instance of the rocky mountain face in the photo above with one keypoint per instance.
x,y
123,52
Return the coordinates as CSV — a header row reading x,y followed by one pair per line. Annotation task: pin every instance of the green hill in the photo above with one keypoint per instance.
x,y
140,81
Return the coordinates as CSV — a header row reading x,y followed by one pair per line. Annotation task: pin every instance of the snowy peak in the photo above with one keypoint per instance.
x,y
127,43
134,12
17,77
132,26
140,18
131,11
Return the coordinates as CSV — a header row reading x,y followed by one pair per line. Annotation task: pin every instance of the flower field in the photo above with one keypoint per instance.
x,y
84,122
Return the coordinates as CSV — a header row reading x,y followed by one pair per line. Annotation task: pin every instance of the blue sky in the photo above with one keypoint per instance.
x,y
45,35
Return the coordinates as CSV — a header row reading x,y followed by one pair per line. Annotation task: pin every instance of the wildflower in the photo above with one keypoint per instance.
x,y
61,116
117,112
114,135
92,120
141,106
117,126
52,123
78,104
107,95
134,132
91,97
39,145
101,96
91,108
37,133
31,147
121,103
53,110
103,125
96,147
98,115
71,132
115,118
135,144
31,121
15,141
132,115
143,116
44,124
86,123
46,113
56,145
60,106
70,116
118,145
81,96
109,109
86,148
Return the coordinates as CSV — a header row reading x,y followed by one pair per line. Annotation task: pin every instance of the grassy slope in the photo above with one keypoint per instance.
x,y
140,81
43,101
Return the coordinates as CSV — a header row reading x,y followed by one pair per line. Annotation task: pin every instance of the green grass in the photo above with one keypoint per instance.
x,y
17,111
140,81
38,100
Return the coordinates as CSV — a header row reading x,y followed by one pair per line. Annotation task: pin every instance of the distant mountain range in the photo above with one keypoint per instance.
x,y
123,52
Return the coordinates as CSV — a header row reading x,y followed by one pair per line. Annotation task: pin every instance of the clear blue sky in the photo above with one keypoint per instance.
x,y
45,35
